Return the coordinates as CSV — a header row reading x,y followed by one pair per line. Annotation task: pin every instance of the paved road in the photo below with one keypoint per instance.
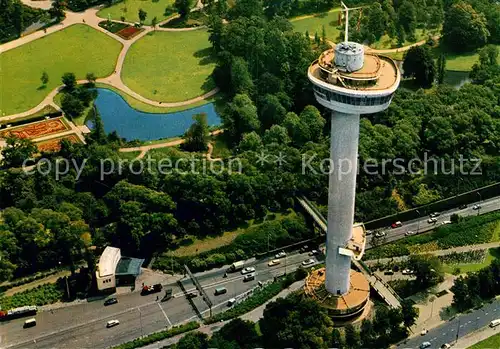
x,y
463,324
83,325
421,225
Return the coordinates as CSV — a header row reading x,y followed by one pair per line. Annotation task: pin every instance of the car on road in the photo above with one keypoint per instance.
x,y
304,249
247,270
220,290
231,302
432,220
112,323
407,272
388,272
409,233
308,262
425,345
191,295
434,215
445,346
462,206
476,207
368,232
424,332
110,301
29,323
274,262
396,225
380,234
445,222
495,323
249,277
313,253
280,255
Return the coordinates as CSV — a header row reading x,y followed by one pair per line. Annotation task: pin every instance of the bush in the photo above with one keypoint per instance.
x,y
41,295
158,336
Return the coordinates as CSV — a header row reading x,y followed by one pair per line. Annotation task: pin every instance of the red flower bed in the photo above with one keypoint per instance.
x,y
37,129
54,144
129,32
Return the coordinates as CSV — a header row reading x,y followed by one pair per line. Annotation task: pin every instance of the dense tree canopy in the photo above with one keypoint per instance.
x,y
419,63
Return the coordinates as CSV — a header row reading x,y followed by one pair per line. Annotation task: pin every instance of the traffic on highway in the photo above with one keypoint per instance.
x,y
121,318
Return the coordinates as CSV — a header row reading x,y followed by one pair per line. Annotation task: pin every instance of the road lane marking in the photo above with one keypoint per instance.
x,y
165,314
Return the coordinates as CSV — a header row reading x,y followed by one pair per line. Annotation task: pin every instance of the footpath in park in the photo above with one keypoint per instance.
x,y
253,315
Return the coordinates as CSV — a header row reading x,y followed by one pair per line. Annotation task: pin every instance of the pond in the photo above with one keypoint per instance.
x,y
117,115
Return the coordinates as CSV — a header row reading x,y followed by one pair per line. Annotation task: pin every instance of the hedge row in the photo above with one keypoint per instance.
x,y
27,280
468,231
43,294
259,297
249,244
158,336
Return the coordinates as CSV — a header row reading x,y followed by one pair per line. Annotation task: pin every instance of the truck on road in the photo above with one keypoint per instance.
x,y
151,289
18,312
236,266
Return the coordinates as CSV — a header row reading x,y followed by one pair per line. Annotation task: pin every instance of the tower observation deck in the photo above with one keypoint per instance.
x,y
350,82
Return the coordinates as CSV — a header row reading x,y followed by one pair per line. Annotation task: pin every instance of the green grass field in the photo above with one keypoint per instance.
x,y
130,10
488,343
170,66
78,49
315,24
462,61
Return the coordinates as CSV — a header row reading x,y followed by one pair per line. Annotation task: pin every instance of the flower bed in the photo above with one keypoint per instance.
x,y
37,129
54,144
129,32
477,256
113,27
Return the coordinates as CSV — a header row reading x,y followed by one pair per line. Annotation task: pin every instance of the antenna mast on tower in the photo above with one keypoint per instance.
x,y
346,21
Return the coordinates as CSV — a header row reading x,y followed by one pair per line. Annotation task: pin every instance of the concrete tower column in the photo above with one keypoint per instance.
x,y
341,197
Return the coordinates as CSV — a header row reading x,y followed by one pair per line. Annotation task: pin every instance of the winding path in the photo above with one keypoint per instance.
x,y
90,18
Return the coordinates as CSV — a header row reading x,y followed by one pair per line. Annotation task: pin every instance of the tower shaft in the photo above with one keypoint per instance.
x,y
341,198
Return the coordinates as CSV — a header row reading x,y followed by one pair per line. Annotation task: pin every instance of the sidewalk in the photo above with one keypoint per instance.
x,y
476,337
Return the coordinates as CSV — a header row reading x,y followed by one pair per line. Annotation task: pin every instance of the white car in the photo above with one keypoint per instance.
x,y
432,220
380,234
308,262
281,254
313,253
445,222
231,302
425,345
112,323
424,332
409,233
476,207
274,262
247,270
407,272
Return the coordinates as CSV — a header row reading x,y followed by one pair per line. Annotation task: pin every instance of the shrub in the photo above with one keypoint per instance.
x,y
43,294
158,336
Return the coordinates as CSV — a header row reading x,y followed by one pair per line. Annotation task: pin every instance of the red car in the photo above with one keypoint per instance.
x,y
396,225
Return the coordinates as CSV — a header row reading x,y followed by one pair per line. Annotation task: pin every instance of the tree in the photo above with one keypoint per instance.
x,y
251,141
18,17
377,20
428,270
419,64
240,117
407,18
464,29
276,134
44,78
71,105
154,22
410,313
183,7
352,338
271,111
367,334
336,340
97,134
142,15
247,9
69,81
197,134
240,332
91,78
241,80
193,340
17,151
462,297
57,9
441,68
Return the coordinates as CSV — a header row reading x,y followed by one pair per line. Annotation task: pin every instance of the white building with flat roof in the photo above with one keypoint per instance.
x,y
105,273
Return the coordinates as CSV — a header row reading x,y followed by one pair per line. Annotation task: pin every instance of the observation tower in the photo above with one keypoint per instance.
x,y
350,82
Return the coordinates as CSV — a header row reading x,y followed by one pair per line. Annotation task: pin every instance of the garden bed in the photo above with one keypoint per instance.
x,y
195,19
113,27
54,144
37,129
129,32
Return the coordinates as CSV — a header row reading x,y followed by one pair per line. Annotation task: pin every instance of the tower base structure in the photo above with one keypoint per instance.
x,y
346,307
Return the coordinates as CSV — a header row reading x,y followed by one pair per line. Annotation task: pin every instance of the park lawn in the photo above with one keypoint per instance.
x,y
493,253
460,61
148,108
170,66
79,49
210,243
130,10
314,24
488,343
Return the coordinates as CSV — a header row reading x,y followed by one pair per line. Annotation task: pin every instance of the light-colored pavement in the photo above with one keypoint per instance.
x,y
42,4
